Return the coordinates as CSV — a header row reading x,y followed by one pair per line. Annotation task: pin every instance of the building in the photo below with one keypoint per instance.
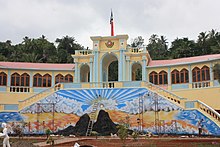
x,y
170,97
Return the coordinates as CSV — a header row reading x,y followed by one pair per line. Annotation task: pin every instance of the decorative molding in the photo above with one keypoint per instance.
x,y
109,44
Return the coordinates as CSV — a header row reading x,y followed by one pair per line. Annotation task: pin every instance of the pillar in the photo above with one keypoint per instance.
x,y
120,70
169,79
144,68
96,56
190,76
91,69
128,68
76,76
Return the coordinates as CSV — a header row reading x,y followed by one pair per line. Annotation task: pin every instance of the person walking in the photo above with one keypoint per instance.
x,y
200,126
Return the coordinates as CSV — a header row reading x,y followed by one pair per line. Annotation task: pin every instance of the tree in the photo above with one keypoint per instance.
x,y
137,42
157,47
122,132
181,48
66,46
202,44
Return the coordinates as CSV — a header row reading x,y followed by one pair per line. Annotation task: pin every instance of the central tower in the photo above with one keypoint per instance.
x,y
93,65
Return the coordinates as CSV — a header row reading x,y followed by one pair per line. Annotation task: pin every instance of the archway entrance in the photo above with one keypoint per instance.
x,y
84,73
110,68
136,72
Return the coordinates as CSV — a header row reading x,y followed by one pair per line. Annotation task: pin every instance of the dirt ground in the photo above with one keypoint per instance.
x,y
152,142
116,142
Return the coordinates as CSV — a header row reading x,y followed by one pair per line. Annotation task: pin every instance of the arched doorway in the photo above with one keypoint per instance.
x,y
136,72
110,67
84,73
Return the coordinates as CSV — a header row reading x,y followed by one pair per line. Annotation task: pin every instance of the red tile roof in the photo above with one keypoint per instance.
x,y
183,60
39,66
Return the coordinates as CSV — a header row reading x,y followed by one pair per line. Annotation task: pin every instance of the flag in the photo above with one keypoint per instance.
x,y
111,17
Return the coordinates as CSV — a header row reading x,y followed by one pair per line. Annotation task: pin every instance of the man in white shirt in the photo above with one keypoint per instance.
x,y
5,135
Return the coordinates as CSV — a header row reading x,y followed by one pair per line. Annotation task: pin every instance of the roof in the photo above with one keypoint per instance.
x,y
38,66
183,60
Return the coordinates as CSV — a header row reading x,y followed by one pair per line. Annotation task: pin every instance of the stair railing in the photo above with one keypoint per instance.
x,y
209,111
30,100
172,97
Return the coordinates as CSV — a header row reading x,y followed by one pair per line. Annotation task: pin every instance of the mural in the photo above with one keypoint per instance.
x,y
124,105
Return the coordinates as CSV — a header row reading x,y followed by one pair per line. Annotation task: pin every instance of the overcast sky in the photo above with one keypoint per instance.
x,y
84,18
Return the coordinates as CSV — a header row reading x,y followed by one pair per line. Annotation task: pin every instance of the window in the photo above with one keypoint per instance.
x,y
201,74
184,76
205,73
153,77
163,77
46,80
15,79
68,78
59,79
37,80
25,79
42,81
3,79
175,77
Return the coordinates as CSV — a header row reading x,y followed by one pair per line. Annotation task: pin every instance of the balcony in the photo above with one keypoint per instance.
x,y
19,89
202,84
83,52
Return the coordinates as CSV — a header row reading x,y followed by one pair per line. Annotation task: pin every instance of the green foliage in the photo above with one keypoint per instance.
x,y
40,50
94,133
48,132
157,47
50,140
181,48
135,135
122,132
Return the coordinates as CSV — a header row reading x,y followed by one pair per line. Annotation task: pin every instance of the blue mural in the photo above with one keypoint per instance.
x,y
10,117
69,105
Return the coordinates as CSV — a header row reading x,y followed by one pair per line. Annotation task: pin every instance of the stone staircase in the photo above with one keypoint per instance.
x,y
186,104
33,99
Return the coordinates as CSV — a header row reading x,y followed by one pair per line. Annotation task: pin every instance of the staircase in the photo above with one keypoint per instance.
x,y
92,119
185,104
35,98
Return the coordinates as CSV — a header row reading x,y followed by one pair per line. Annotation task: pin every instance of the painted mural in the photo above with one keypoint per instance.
x,y
124,105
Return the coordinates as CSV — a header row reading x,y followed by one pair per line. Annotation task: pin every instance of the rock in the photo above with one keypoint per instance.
x,y
104,125
79,129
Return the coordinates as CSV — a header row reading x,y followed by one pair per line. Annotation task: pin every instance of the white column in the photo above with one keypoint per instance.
x,y
91,69
190,74
76,76
120,70
211,72
144,68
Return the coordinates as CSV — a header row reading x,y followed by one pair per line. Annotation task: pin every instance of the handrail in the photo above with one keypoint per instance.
x,y
209,110
201,106
36,97
173,97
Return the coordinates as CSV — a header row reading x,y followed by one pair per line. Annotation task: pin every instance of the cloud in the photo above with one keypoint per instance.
x,y
84,18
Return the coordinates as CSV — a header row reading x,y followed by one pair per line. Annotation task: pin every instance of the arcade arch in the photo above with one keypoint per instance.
x,y
84,73
109,67
136,72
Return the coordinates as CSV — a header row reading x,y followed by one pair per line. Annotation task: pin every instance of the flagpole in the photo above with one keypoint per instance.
x,y
112,24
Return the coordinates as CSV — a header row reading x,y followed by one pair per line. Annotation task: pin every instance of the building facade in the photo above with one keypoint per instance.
x,y
34,92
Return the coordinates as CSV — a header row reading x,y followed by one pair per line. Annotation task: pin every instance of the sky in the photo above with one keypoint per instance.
x,y
84,18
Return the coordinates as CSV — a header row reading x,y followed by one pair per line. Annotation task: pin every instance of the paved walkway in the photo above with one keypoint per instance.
x,y
59,141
